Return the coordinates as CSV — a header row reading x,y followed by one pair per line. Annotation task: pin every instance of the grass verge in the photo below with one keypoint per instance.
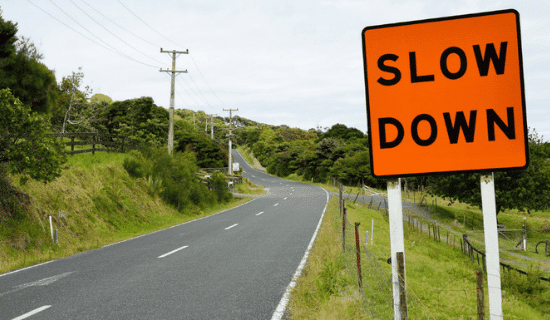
x,y
94,203
440,278
247,187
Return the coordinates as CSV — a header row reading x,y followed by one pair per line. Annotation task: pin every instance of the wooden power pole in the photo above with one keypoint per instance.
x,y
174,72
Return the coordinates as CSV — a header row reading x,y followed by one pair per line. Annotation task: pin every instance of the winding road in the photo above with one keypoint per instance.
x,y
235,264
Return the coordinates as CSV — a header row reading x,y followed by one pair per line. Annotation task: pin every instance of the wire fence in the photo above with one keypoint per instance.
x,y
373,280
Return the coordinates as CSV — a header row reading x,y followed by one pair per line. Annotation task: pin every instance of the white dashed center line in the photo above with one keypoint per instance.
x,y
275,204
231,226
173,251
30,313
285,198
259,213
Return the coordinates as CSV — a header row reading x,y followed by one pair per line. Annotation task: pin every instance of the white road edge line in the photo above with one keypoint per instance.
x,y
173,251
279,311
231,226
259,213
129,239
30,313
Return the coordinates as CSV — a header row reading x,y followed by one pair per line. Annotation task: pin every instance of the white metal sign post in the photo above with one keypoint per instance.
x,y
491,245
397,241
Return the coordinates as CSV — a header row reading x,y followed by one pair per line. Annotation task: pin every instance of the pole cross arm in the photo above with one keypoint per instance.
x,y
173,71
174,51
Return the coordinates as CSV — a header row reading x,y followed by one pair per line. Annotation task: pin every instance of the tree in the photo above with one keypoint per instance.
x,y
341,131
21,70
98,97
139,119
23,145
74,105
355,168
8,30
527,189
209,153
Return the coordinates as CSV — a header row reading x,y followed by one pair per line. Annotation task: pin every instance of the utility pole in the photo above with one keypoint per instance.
x,y
212,126
174,72
230,136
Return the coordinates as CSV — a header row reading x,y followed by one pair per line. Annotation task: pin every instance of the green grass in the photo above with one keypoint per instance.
x,y
88,160
245,152
439,277
94,203
247,187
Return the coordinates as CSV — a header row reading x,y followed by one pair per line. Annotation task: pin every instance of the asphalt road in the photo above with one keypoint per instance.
x,y
236,264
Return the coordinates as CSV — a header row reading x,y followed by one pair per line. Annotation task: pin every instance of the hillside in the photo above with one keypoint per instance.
x,y
95,202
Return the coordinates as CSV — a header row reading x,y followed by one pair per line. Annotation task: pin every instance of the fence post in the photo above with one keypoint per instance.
x,y
93,145
524,234
72,143
402,289
123,144
358,250
480,296
344,229
340,198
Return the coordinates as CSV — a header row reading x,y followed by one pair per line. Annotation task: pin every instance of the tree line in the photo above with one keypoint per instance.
x,y
342,153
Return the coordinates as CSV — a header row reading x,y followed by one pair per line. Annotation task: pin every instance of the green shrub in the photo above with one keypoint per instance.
x,y
136,165
219,186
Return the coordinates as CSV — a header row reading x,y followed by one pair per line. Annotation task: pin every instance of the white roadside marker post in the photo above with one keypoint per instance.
x,y
51,228
397,241
491,245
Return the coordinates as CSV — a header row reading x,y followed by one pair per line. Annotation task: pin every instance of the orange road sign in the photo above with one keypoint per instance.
x,y
446,95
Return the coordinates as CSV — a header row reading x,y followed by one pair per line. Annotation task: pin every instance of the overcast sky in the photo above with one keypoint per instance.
x,y
293,62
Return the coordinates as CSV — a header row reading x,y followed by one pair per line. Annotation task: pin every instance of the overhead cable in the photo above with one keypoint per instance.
x,y
113,50
130,32
113,33
198,69
146,23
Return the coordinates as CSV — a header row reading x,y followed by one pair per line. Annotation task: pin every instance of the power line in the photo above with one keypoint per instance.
x,y
147,24
190,96
184,101
70,27
120,25
198,69
68,15
113,50
113,33
200,91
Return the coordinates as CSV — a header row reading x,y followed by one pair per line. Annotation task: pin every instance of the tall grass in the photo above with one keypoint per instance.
x,y
440,277
95,202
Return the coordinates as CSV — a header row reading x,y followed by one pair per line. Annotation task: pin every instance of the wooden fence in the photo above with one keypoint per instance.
x,y
110,143
470,250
